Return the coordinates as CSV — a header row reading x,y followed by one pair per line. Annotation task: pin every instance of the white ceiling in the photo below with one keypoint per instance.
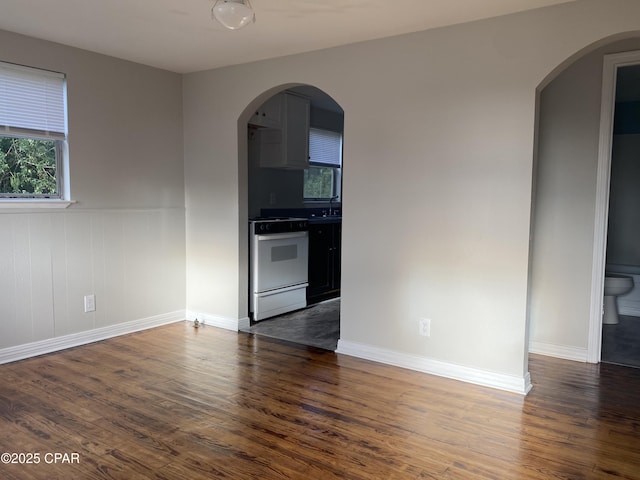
x,y
179,35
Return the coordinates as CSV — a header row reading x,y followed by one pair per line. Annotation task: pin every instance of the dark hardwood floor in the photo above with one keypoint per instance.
x,y
180,403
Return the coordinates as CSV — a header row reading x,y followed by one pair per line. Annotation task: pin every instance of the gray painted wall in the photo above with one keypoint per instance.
x,y
439,141
124,238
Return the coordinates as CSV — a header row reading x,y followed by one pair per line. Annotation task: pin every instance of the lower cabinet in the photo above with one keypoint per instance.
x,y
324,261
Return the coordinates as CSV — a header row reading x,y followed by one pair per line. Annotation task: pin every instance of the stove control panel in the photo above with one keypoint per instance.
x,y
278,225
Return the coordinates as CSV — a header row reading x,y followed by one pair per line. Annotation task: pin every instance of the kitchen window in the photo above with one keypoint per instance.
x,y
323,178
33,140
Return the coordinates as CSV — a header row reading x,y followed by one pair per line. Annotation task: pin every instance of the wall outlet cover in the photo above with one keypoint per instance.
x,y
89,303
424,325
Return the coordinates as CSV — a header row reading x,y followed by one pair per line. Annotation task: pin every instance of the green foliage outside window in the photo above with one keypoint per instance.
x,y
318,182
27,166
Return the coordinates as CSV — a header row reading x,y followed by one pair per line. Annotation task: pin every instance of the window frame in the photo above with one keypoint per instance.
x,y
337,172
59,152
61,198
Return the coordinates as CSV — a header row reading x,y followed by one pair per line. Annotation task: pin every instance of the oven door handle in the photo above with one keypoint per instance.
x,y
282,236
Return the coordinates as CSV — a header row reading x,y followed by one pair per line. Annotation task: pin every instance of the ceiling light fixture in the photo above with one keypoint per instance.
x,y
233,14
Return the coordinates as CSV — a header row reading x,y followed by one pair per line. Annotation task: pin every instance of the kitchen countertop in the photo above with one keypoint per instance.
x,y
314,215
327,219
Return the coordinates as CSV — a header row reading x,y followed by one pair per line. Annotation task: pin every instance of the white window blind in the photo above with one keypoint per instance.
x,y
325,147
32,102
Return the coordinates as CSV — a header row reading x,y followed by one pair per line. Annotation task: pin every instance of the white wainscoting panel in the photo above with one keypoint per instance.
x,y
133,261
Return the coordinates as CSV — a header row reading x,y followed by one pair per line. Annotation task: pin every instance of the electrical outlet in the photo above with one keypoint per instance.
x,y
424,327
272,198
89,303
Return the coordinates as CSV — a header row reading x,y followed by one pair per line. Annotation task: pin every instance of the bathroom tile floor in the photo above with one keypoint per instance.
x,y
621,342
316,326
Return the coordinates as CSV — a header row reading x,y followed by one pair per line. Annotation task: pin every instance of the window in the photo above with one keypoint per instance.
x,y
323,178
32,133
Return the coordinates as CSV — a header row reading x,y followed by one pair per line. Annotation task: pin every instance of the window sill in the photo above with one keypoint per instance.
x,y
33,204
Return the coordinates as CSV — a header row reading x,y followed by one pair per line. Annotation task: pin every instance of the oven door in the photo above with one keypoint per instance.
x,y
279,260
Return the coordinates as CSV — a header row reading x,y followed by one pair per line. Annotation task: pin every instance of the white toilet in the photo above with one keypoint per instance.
x,y
614,285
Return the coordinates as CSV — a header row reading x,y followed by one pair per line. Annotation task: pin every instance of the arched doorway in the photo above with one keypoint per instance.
x,y
569,217
616,340
294,170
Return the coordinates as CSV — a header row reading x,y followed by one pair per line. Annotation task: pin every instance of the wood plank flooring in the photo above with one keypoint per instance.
x,y
180,403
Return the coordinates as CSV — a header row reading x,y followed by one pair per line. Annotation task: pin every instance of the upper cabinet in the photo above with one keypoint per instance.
x,y
269,114
285,145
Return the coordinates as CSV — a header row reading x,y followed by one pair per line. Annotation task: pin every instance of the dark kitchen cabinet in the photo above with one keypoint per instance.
x,y
324,261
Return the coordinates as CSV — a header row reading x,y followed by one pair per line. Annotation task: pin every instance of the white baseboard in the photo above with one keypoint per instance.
x,y
244,323
500,381
20,352
217,321
559,351
628,308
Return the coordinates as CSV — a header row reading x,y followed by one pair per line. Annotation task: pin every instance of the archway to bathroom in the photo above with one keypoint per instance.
x,y
618,153
570,207
293,138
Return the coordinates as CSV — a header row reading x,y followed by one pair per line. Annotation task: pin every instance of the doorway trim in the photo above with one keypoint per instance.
x,y
607,109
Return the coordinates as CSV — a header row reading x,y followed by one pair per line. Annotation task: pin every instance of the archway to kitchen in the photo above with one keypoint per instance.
x,y
290,172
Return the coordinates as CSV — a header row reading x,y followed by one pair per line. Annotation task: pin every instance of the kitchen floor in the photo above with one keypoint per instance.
x,y
621,342
316,326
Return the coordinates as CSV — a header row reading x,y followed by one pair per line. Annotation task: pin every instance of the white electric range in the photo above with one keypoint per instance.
x,y
278,263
